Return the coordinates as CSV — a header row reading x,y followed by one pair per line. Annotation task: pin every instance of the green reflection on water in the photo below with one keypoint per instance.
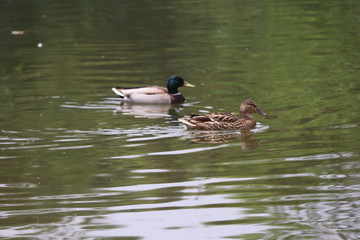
x,y
60,139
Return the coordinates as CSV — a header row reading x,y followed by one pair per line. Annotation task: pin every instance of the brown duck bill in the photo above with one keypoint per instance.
x,y
261,112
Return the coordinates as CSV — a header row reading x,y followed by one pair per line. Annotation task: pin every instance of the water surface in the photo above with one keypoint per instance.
x,y
75,163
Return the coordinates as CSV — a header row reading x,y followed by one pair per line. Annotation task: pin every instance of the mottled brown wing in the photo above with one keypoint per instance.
x,y
222,117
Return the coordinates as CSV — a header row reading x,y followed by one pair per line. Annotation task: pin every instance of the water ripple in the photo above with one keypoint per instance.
x,y
322,156
193,183
175,152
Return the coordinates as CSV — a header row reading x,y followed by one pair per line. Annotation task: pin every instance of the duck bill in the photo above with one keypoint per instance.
x,y
261,112
186,84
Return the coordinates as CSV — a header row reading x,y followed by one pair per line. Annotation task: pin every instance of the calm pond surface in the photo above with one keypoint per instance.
x,y
77,164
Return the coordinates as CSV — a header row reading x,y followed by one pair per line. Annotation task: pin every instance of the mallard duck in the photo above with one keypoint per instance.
x,y
224,120
154,94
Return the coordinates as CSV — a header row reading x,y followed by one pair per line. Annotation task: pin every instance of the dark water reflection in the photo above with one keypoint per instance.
x,y
75,163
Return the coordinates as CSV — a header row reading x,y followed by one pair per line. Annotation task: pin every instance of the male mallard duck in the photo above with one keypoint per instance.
x,y
154,94
224,120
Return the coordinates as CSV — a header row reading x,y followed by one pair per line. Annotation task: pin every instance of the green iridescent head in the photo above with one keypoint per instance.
x,y
175,82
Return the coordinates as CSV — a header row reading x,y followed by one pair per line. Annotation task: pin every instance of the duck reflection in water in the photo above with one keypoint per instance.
x,y
149,110
246,143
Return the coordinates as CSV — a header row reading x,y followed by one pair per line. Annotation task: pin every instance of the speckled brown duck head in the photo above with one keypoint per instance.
x,y
249,106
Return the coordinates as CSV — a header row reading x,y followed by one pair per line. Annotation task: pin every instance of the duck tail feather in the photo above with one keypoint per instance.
x,y
186,122
118,92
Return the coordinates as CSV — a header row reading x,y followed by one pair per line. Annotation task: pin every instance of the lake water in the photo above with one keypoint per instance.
x,y
77,164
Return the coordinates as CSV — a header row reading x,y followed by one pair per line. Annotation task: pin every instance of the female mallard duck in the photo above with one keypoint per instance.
x,y
154,94
224,120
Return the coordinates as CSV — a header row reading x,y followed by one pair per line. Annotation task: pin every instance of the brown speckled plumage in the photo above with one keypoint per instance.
x,y
224,120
